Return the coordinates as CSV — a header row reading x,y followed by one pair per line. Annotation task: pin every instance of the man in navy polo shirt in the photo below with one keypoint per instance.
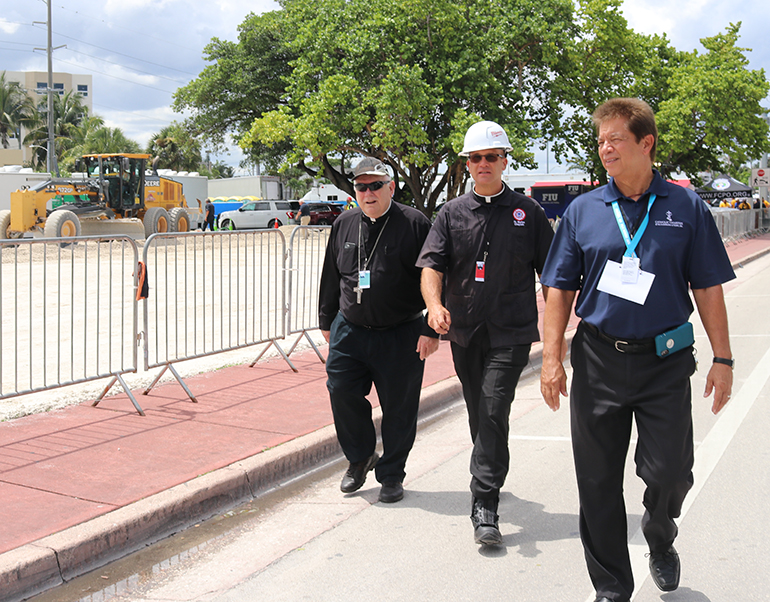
x,y
633,248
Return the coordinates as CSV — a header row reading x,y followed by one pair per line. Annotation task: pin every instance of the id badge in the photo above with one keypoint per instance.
x,y
630,270
364,279
480,271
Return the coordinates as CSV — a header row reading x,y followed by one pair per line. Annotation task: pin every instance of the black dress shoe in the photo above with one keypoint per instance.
x,y
603,599
484,518
356,474
392,491
665,569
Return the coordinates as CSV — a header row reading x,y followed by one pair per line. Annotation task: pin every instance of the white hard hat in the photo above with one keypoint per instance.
x,y
484,135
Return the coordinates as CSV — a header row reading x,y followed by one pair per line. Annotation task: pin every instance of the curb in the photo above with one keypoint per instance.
x,y
55,559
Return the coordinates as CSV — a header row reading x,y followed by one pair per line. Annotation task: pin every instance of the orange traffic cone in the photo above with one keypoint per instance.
x,y
275,224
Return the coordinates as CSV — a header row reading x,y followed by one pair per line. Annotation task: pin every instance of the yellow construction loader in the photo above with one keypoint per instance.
x,y
111,194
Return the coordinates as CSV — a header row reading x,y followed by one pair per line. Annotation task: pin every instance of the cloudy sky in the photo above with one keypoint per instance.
x,y
140,51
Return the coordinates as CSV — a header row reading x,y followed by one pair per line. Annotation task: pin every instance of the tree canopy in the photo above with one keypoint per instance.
x,y
175,148
17,109
319,82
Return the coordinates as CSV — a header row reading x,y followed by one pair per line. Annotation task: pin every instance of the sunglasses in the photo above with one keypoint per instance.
x,y
373,186
491,158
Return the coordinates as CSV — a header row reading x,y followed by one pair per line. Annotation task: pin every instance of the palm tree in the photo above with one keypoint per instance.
x,y
92,137
176,148
17,109
69,112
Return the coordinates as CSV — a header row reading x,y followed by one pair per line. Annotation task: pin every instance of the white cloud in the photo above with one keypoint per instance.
x,y
7,27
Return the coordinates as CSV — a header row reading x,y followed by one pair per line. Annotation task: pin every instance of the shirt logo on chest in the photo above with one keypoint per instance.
x,y
669,221
519,217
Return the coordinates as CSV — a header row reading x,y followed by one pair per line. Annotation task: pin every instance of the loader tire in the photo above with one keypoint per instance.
x,y
5,223
156,220
62,224
179,220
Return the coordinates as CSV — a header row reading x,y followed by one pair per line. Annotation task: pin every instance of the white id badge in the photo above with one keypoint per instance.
x,y
612,283
630,270
364,279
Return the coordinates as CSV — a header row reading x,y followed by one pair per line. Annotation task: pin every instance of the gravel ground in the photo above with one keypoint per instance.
x,y
24,342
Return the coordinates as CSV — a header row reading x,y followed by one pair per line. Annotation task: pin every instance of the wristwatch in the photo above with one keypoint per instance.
x,y
725,361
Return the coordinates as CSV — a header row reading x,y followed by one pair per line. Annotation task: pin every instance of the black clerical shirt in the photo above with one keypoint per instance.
x,y
394,294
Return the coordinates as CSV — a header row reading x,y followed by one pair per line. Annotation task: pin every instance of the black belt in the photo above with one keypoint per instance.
x,y
622,345
409,319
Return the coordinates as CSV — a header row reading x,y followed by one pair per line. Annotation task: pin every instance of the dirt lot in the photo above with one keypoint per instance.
x,y
68,312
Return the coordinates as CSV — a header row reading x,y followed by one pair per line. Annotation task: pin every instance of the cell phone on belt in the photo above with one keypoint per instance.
x,y
674,340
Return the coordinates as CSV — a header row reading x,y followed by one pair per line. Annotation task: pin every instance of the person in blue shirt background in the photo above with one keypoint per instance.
x,y
630,251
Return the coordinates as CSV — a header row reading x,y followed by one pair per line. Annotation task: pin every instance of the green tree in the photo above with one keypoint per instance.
x,y
92,137
69,111
604,60
246,78
17,110
176,148
405,84
712,119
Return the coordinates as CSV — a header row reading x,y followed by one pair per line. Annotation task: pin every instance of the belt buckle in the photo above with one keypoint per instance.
x,y
620,343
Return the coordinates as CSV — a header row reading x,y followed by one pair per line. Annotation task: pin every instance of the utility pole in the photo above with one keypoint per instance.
x,y
50,158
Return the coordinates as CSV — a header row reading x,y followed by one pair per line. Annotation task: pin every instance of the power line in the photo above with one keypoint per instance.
x,y
123,54
142,115
114,76
141,33
98,58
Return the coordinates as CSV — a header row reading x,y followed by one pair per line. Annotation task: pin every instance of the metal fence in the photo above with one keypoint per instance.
x,y
211,292
735,224
69,313
304,264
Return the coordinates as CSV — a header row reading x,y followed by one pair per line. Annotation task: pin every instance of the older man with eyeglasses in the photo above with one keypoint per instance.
x,y
484,248
371,313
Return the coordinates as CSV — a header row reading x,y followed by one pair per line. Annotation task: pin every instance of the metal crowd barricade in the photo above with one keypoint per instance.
x,y
212,292
69,313
736,224
304,264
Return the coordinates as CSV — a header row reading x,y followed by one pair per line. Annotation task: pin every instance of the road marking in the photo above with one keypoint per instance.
x,y
707,456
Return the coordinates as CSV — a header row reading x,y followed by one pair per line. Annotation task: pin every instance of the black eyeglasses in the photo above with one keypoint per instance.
x,y
491,158
373,186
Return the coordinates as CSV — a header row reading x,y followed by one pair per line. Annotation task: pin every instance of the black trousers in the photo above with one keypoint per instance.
x,y
489,377
209,223
609,390
388,358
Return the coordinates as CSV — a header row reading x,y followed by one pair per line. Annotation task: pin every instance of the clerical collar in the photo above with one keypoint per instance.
x,y
488,199
373,220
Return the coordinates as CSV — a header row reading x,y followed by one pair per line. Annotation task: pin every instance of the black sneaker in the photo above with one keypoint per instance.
x,y
665,569
356,474
484,518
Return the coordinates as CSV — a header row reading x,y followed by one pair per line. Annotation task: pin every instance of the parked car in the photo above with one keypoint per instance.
x,y
257,214
323,214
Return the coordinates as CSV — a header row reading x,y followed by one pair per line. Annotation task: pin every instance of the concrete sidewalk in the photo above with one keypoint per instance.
x,y
84,486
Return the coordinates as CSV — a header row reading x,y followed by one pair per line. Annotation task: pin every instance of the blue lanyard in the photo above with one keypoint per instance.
x,y
631,244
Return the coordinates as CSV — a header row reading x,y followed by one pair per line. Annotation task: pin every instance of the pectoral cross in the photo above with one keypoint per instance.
x,y
359,291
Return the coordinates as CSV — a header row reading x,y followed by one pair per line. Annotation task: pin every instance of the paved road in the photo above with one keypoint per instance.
x,y
307,541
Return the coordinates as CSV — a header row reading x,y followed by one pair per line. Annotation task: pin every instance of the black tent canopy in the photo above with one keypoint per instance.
x,y
724,187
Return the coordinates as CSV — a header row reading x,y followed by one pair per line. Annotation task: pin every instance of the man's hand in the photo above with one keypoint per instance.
x,y
553,382
326,334
426,346
439,318
720,381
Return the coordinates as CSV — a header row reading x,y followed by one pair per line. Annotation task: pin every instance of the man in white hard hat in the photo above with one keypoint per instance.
x,y
486,246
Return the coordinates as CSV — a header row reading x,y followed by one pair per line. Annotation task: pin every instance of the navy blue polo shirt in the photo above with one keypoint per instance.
x,y
681,246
